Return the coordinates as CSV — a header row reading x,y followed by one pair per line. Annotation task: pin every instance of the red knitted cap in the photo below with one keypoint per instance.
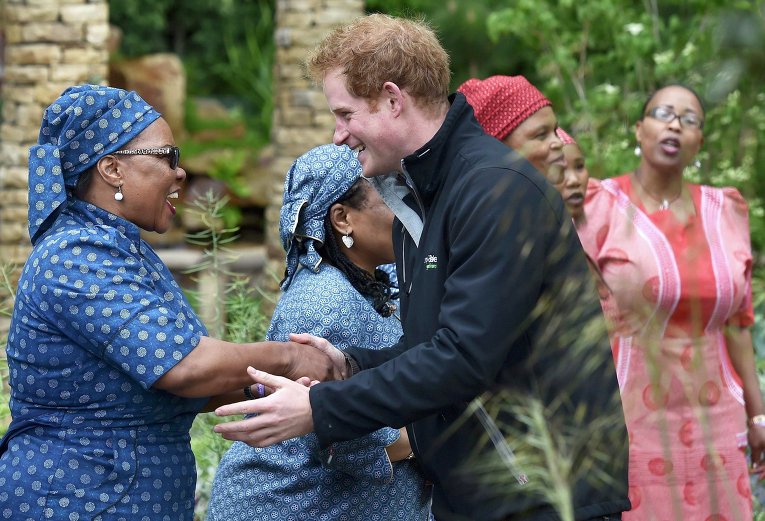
x,y
564,137
501,103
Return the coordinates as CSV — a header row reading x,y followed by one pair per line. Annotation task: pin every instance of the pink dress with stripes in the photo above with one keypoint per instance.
x,y
673,288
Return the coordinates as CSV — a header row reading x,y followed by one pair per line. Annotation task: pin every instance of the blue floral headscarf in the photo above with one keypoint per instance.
x,y
315,182
85,123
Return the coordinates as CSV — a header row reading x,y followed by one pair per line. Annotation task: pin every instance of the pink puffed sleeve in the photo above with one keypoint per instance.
x,y
598,207
735,222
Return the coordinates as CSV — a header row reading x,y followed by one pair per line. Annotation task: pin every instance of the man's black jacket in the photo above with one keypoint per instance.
x,y
496,302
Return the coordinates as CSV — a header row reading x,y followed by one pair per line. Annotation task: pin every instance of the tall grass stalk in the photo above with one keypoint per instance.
x,y
547,456
212,270
238,317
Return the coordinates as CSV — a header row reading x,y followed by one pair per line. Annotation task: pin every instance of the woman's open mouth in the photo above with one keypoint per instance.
x,y
670,146
576,199
171,195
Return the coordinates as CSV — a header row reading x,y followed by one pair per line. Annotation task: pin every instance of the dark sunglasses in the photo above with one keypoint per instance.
x,y
173,154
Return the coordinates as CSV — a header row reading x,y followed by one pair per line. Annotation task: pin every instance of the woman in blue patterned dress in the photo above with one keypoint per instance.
x,y
335,230
108,362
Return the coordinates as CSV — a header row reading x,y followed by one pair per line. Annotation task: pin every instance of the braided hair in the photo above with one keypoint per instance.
x,y
377,286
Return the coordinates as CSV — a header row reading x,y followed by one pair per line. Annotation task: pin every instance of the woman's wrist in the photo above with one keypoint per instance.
x,y
758,420
399,452
273,357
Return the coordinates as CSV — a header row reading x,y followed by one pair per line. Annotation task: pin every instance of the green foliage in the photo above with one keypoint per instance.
x,y
546,455
213,238
461,28
227,46
228,169
246,322
144,24
238,317
208,449
229,138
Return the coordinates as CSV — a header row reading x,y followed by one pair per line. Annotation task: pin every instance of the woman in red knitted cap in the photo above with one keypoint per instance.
x,y
514,111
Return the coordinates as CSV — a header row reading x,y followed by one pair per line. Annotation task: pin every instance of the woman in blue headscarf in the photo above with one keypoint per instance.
x,y
108,362
336,230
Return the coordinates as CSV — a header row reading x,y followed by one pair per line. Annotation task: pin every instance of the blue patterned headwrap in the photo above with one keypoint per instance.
x,y
85,123
315,182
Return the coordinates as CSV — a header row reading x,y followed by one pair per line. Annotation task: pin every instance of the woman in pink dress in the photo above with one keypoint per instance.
x,y
678,261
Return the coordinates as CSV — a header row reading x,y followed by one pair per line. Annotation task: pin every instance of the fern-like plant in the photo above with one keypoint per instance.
x,y
237,317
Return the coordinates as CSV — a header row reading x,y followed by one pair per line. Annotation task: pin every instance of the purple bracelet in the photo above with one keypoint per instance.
x,y
261,390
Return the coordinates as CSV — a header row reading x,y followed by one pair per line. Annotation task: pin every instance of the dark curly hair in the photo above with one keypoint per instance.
x,y
377,286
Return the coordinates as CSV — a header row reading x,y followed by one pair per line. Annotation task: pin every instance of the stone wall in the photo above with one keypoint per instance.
x,y
301,117
49,45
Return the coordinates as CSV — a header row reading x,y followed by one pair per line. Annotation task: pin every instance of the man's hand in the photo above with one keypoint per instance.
x,y
313,357
323,345
284,414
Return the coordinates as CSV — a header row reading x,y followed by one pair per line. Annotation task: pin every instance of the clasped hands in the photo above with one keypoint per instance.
x,y
286,411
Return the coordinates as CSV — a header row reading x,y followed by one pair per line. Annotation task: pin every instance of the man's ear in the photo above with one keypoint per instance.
x,y
394,98
339,219
107,167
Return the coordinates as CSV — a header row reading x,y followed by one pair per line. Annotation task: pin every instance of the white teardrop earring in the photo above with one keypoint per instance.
x,y
347,240
118,196
638,151
697,163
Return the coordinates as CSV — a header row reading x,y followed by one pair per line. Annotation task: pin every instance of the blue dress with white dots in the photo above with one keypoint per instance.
x,y
98,319
296,479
